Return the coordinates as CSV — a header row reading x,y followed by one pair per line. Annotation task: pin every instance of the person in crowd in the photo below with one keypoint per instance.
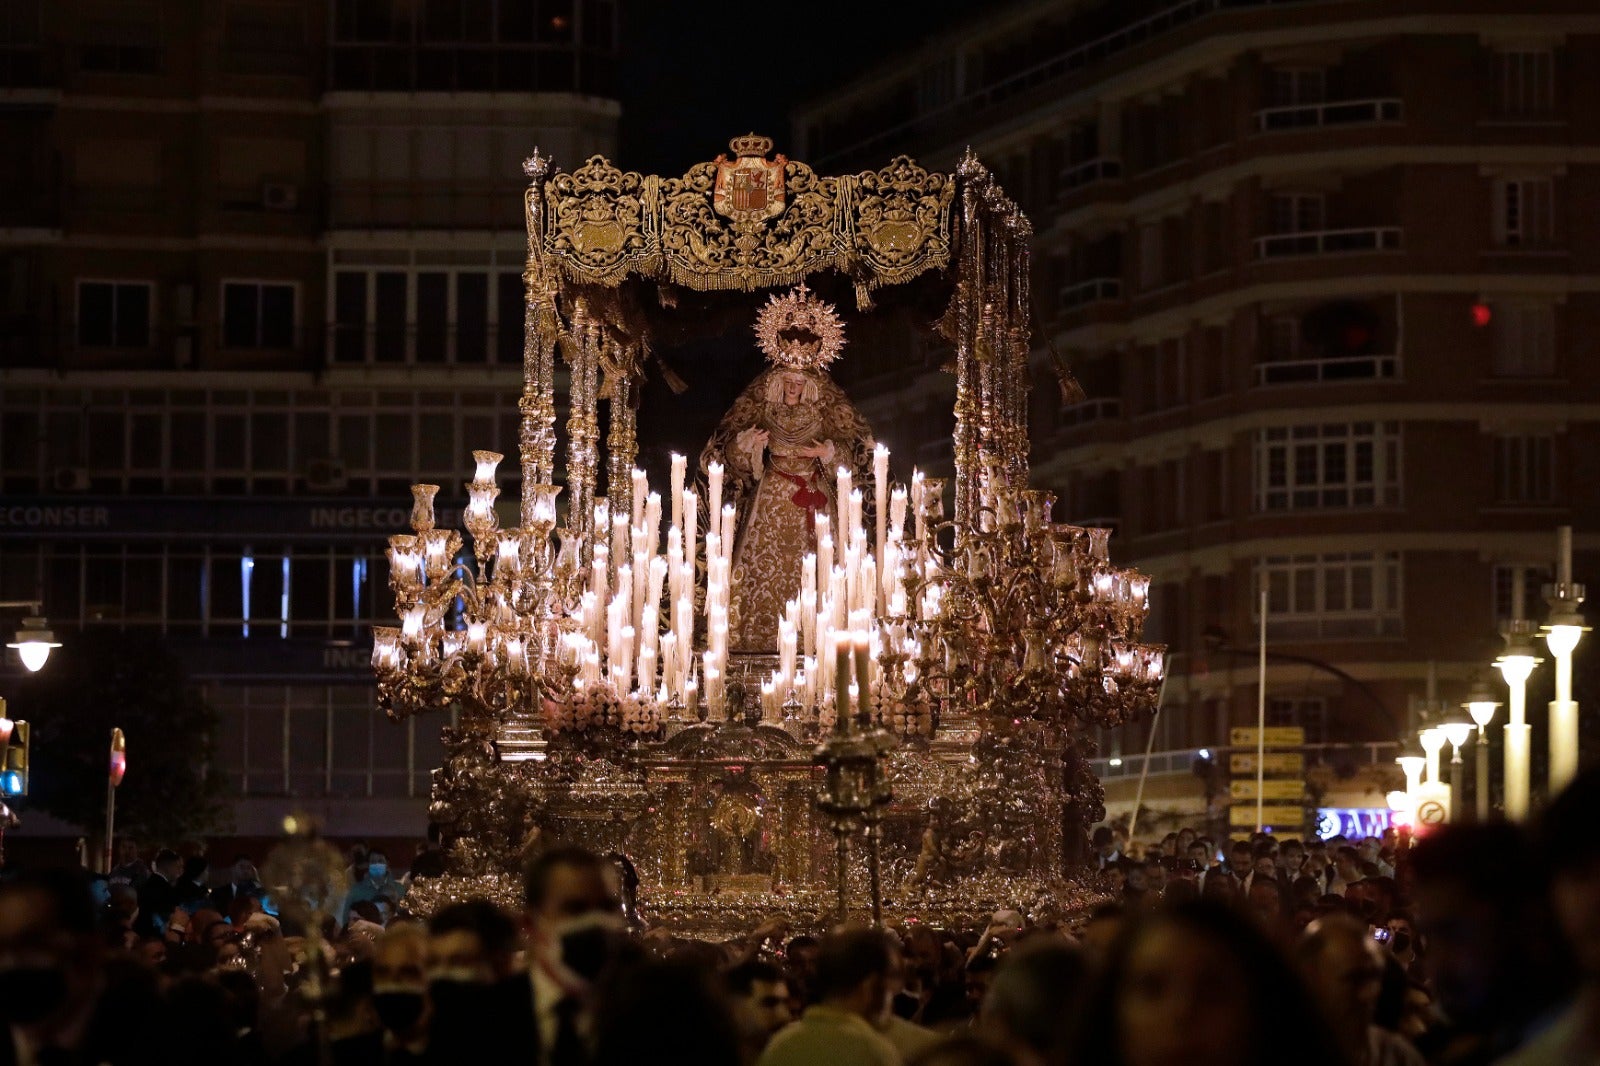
x,y
400,993
576,932
242,884
192,888
158,896
1102,928
430,859
1492,959
475,988
1570,857
372,883
800,967
1344,967
1024,1011
1199,984
1106,852
759,997
664,1012
841,1028
1291,858
908,1038
131,869
1155,876
60,997
1346,870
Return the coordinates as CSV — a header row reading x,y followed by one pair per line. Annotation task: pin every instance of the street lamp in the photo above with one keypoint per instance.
x,y
1515,664
1481,704
1456,729
1561,635
34,639
1411,762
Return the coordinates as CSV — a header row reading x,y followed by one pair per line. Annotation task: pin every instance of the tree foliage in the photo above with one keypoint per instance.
x,y
102,679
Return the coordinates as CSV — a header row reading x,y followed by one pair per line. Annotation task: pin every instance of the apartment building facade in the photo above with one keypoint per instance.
x,y
1326,273
260,271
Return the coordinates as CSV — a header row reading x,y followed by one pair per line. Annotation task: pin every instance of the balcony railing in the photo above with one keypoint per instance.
x,y
1341,368
1336,113
1089,172
1087,292
1072,60
1328,242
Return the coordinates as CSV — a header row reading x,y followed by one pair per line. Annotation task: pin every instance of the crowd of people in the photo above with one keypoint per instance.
x,y
1475,944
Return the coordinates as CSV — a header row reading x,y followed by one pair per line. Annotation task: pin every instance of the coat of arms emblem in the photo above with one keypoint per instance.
x,y
750,188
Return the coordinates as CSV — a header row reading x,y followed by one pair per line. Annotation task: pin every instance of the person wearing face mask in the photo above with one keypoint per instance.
x,y
478,995
372,883
54,996
854,985
400,993
575,932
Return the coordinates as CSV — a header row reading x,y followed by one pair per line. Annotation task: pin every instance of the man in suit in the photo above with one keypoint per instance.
x,y
573,914
242,884
158,896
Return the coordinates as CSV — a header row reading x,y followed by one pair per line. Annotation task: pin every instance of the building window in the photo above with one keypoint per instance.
x,y
258,314
1354,464
1340,594
114,314
1298,212
1524,212
1524,469
1151,263
1502,591
1525,83
1297,86
1308,712
1524,340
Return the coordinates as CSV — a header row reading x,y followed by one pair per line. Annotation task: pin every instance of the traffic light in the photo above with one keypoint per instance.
x,y
14,764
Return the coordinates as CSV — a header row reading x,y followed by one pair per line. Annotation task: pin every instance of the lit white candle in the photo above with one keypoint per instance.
x,y
726,530
714,495
841,503
897,512
880,496
824,558
639,490
916,501
856,533
680,466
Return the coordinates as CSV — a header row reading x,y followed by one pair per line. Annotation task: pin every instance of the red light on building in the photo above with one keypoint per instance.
x,y
1481,314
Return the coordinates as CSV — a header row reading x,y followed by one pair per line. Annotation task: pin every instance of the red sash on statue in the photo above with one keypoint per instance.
x,y
805,496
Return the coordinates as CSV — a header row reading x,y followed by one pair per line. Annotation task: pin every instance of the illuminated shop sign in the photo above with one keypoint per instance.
x,y
1352,822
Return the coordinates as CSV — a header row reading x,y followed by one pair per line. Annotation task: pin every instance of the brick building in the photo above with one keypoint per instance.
x,y
260,270
1326,271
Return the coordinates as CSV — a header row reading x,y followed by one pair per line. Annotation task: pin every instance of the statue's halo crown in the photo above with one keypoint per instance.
x,y
799,309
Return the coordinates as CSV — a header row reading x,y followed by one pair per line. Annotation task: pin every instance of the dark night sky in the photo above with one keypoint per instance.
x,y
696,74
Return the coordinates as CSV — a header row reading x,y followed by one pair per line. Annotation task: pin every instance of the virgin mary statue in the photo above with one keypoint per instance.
x,y
780,445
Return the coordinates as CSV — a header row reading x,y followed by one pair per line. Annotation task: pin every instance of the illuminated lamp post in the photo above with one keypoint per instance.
x,y
1456,729
1481,705
1561,634
1515,664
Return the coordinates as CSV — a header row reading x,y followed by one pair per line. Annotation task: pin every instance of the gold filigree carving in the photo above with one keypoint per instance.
x,y
882,227
596,229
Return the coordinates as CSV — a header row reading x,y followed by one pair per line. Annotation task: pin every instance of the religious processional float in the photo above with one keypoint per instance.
x,y
791,684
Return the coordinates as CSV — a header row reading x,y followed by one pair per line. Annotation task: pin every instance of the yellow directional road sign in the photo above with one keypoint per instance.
x,y
1271,814
1273,762
1275,736
1293,789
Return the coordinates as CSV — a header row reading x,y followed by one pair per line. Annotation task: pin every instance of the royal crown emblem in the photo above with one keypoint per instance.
x,y
750,187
